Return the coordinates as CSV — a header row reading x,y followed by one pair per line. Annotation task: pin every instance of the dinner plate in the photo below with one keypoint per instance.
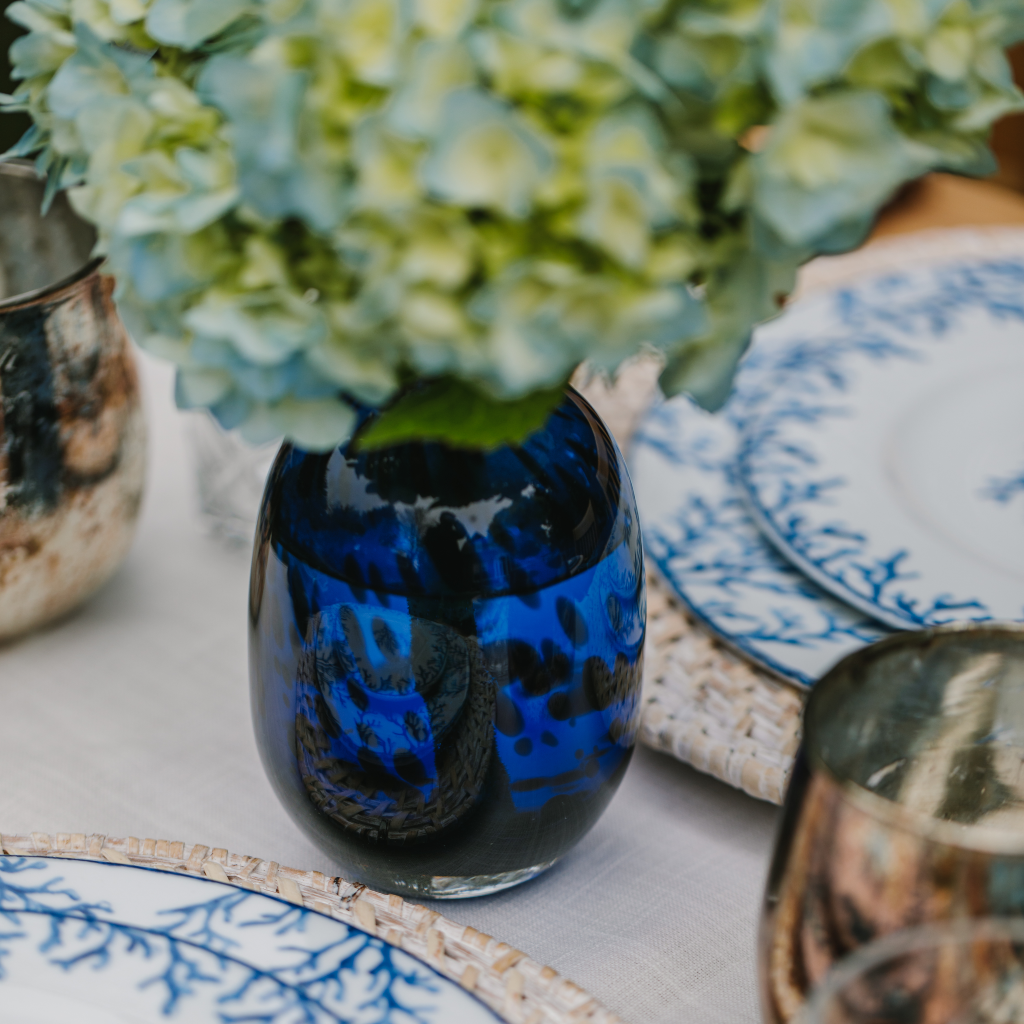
x,y
101,943
887,461
699,532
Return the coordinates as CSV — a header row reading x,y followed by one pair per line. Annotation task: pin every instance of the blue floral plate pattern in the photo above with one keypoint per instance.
x,y
883,442
101,943
700,534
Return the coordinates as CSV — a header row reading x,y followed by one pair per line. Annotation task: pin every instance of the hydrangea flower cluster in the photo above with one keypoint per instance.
x,y
311,205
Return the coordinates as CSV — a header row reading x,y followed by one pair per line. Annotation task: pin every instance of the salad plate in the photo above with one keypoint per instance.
x,y
107,943
883,442
699,532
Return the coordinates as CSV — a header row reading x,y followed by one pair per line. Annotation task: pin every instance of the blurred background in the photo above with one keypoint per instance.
x,y
1009,135
12,126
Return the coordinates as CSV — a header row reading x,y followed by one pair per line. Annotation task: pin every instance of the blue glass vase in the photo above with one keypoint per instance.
x,y
446,649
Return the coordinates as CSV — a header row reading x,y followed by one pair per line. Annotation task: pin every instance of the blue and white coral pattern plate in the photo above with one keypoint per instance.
x,y
100,943
700,534
887,461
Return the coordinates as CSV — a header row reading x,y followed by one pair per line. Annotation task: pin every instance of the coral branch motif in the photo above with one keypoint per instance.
x,y
803,374
700,534
1004,489
238,956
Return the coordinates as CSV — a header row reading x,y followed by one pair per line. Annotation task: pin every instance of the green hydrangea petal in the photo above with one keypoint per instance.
x,y
437,69
201,388
317,425
749,291
484,156
187,23
827,160
815,41
40,54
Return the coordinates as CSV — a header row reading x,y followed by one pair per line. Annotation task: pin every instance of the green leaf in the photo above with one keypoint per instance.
x,y
457,414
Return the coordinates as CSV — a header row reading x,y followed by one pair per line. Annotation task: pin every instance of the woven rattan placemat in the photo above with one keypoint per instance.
x,y
507,980
702,703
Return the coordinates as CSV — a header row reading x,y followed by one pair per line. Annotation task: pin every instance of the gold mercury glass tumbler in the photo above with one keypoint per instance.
x,y
906,805
958,972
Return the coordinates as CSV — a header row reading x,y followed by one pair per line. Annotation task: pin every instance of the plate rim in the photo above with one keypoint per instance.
x,y
799,679
222,954
509,983
820,579
732,643
755,412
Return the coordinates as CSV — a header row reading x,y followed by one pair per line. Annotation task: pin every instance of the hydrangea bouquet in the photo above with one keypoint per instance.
x,y
440,208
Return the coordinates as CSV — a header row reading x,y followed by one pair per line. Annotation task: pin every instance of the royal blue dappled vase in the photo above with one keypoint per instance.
x,y
446,649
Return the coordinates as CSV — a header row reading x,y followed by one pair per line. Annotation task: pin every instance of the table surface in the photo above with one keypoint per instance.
x,y
131,717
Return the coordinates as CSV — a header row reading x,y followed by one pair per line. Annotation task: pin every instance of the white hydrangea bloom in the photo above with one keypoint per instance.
x,y
310,203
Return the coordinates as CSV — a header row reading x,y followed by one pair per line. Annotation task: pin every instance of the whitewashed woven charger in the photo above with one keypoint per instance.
x,y
703,703
90,936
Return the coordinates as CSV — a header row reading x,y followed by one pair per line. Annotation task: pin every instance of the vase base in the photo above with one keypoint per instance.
x,y
460,887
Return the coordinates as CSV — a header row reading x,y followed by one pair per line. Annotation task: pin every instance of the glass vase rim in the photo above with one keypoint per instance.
x,y
24,170
976,838
570,394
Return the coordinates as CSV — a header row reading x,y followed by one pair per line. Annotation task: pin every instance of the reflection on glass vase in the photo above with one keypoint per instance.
x,y
446,649
230,475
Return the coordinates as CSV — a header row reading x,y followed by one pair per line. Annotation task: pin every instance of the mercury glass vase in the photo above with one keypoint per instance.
x,y
446,649
72,432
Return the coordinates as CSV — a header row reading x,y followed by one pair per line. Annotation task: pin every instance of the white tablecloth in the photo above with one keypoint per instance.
x,y
131,717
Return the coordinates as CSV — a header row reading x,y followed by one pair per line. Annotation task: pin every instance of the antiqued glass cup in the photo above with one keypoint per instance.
x,y
446,649
906,805
72,433
963,972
